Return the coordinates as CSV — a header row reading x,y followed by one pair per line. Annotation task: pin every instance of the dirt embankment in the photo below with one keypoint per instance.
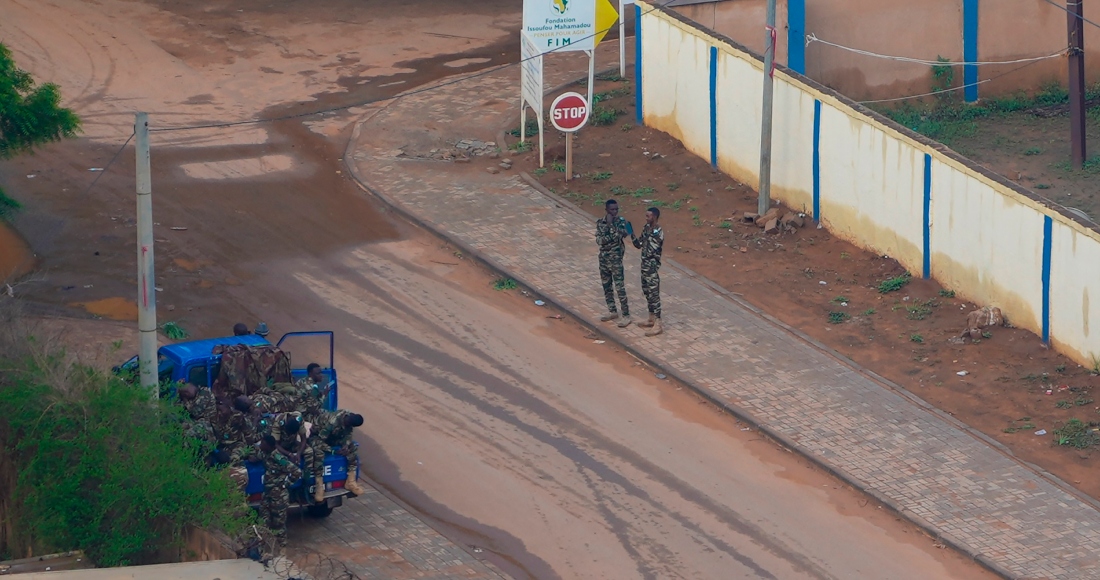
x,y
1011,386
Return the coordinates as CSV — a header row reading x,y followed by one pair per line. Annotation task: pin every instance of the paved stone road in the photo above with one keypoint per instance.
x,y
918,460
375,538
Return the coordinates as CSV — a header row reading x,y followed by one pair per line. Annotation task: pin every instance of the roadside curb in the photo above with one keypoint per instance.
x,y
595,327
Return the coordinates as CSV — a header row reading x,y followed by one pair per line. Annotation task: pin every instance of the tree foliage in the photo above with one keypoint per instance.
x,y
30,115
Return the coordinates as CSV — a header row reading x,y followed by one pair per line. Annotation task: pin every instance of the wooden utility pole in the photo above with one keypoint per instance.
x,y
147,299
1076,14
764,202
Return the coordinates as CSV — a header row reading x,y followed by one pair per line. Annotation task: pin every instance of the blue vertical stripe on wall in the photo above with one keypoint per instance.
x,y
714,106
796,35
638,63
927,216
1048,227
970,49
817,160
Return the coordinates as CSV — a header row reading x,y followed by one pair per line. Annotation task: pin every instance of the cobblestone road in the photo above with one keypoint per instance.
x,y
922,462
375,538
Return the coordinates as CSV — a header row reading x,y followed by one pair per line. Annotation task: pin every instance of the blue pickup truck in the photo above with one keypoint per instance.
x,y
193,362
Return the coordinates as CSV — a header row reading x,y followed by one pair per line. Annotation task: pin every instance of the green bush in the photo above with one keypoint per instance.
x,y
89,462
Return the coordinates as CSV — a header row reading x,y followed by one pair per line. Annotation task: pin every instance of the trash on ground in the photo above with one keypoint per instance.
x,y
746,429
1041,432
982,318
963,373
823,283
660,376
539,303
555,317
95,169
178,229
598,341
31,176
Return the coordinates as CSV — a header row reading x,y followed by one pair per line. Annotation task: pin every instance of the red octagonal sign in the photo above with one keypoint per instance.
x,y
569,112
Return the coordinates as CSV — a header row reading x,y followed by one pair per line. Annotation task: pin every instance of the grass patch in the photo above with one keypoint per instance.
x,y
838,317
540,171
868,312
559,167
606,95
505,284
947,293
1076,433
725,225
919,310
521,146
174,331
1042,186
840,299
605,115
916,338
626,127
894,284
532,129
672,186
600,176
1032,151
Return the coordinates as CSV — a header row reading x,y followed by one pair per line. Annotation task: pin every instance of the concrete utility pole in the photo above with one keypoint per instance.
x,y
147,299
1076,14
765,201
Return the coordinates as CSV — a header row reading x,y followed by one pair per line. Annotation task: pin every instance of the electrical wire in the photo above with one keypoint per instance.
x,y
108,166
395,97
811,38
1064,9
959,88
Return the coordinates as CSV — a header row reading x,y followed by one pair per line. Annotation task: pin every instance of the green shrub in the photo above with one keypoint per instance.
x,y
90,463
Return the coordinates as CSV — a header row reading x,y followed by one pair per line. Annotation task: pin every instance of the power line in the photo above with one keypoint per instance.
x,y
399,96
951,89
108,166
1063,9
811,38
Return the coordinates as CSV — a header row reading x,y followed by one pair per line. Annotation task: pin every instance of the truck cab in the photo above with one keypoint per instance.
x,y
194,362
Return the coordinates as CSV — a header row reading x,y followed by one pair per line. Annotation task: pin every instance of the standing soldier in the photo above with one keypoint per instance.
x,y
610,231
280,472
651,242
202,408
332,434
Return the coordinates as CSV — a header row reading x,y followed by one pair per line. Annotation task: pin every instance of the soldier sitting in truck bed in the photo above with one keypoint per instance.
x,y
332,434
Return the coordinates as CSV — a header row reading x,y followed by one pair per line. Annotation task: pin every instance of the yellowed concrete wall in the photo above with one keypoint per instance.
x,y
985,237
743,22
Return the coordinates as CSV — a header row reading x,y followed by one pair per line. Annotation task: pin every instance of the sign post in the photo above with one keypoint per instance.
x,y
531,91
622,35
568,113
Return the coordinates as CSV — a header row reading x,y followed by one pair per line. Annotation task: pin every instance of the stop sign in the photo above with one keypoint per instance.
x,y
569,112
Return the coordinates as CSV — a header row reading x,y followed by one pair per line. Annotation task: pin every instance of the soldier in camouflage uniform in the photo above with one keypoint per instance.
x,y
288,431
280,472
202,410
310,393
236,430
651,243
332,434
610,231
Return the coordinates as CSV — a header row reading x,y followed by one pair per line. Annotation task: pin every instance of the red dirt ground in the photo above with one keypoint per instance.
x,y
903,335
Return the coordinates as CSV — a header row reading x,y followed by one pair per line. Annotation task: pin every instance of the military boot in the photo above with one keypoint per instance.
x,y
656,328
625,322
353,486
319,489
647,323
609,316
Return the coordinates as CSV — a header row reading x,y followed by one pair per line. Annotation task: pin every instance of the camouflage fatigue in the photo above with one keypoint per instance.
x,y
237,436
280,472
270,402
273,425
308,399
651,242
202,414
330,435
247,369
609,238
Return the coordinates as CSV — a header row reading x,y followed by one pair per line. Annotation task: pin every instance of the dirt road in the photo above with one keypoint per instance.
x,y
514,433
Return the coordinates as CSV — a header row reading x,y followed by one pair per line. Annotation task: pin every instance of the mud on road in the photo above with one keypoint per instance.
x,y
512,432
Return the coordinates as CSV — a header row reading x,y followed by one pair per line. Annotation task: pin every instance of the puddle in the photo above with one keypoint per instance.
x,y
238,168
16,259
112,308
466,62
